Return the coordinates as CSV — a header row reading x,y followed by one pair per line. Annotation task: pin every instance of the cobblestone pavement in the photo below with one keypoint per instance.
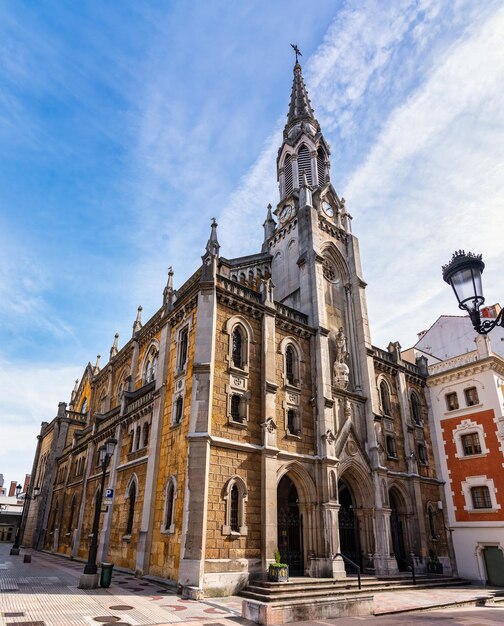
x,y
44,593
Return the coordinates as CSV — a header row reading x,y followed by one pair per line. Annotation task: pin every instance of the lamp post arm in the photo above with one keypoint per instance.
x,y
485,326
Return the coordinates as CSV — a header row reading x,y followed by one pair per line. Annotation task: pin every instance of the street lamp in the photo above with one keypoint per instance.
x,y
463,273
19,531
91,569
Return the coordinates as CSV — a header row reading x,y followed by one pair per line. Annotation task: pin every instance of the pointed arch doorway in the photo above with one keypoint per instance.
x,y
398,529
290,527
348,525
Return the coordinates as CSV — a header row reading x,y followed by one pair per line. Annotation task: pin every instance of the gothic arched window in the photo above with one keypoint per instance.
x,y
288,175
182,348
385,398
304,165
237,347
321,166
291,422
84,406
415,409
234,504
145,435
289,365
235,496
131,507
169,512
151,366
235,408
179,405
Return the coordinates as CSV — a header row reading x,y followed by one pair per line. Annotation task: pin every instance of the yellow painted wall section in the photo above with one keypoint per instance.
x,y
224,464
220,419
165,549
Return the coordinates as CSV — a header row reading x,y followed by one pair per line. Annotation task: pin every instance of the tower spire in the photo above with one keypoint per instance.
x,y
169,292
137,324
213,246
114,349
211,255
269,225
300,108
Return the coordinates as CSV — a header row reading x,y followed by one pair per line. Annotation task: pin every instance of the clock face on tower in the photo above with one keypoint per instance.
x,y
285,213
327,208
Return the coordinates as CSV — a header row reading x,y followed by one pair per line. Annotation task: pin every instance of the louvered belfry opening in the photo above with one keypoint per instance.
x,y
288,175
321,166
304,165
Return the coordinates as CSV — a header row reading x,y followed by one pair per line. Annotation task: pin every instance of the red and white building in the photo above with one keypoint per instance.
x,y
466,391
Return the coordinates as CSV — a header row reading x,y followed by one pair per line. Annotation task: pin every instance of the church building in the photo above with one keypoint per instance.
x,y
252,412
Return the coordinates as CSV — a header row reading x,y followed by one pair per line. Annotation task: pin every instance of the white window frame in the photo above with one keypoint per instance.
x,y
479,481
468,427
452,393
466,389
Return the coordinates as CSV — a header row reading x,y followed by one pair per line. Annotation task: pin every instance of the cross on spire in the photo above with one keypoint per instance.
x,y
296,51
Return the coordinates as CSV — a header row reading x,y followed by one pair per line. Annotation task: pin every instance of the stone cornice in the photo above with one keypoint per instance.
x,y
467,370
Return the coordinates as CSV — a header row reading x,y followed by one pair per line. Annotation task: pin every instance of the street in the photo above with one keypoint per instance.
x,y
44,593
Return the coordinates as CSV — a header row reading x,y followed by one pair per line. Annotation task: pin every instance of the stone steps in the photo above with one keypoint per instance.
x,y
309,599
296,589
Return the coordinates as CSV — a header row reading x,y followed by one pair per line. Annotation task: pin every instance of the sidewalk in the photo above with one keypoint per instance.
x,y
44,593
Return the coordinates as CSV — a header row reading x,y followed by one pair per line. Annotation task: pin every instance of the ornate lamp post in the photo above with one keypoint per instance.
x,y
463,273
90,577
19,532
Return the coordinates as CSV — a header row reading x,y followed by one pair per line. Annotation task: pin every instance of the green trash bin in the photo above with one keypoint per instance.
x,y
106,574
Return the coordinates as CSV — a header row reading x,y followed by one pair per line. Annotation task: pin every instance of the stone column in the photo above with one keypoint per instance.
x,y
191,569
269,538
145,538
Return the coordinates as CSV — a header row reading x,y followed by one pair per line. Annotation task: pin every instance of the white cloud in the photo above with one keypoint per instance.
x,y
432,183
30,395
24,280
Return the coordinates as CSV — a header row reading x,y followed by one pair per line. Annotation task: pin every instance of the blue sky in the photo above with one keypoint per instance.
x,y
125,127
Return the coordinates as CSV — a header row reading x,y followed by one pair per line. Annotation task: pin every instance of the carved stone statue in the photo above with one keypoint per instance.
x,y
340,368
341,346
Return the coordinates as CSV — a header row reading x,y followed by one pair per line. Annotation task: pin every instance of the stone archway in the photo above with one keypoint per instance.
x,y
356,516
399,528
348,523
290,526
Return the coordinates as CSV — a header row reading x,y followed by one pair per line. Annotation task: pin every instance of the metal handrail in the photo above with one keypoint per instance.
x,y
357,567
409,562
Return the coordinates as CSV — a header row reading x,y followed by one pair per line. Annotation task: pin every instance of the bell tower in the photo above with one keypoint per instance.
x,y
316,266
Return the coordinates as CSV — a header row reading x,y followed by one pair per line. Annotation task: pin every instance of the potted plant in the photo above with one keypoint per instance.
x,y
434,566
278,572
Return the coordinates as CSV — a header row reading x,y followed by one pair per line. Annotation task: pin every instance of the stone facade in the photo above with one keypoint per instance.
x,y
268,420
